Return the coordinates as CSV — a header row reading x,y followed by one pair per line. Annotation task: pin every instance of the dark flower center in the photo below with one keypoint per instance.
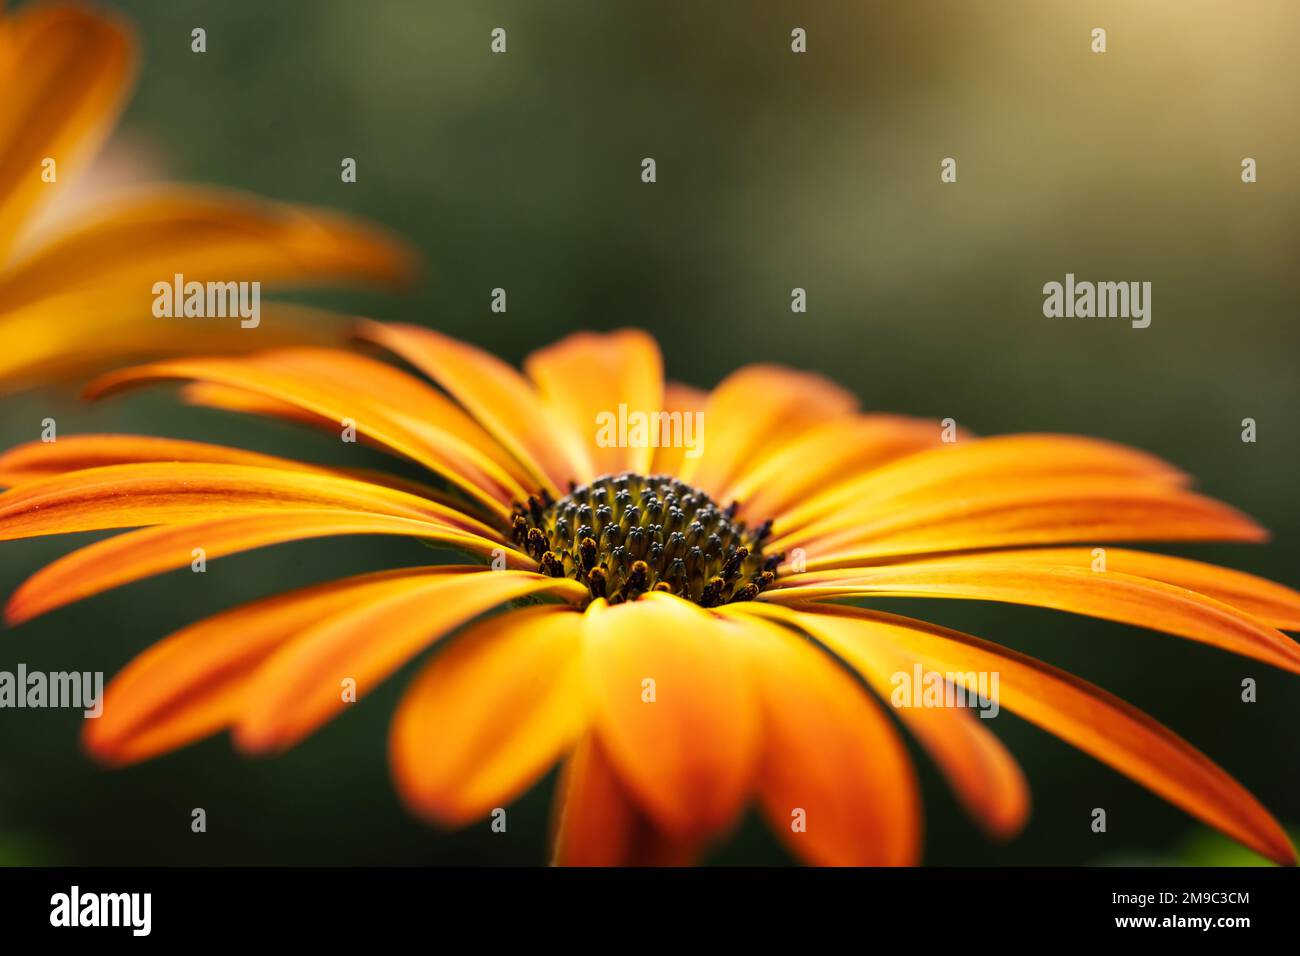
x,y
624,535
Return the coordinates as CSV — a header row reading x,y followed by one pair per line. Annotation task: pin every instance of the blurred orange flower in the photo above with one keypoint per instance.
x,y
75,295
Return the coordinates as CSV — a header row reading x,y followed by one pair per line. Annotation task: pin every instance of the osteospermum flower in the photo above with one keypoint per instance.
x,y
76,272
666,620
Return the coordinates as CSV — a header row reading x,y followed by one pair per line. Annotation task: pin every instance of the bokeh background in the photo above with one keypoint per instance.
x,y
775,170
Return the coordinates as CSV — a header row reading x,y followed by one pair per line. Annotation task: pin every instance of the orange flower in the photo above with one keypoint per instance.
x,y
683,655
78,297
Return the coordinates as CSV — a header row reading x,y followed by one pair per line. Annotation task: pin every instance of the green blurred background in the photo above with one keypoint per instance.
x,y
775,170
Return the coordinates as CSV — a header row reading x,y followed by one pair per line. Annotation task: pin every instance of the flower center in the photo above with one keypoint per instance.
x,y
624,535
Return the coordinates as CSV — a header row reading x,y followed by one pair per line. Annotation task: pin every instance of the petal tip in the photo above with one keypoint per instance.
x,y
105,747
17,611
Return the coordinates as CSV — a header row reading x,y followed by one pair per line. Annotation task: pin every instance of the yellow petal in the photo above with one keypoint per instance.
x,y
489,715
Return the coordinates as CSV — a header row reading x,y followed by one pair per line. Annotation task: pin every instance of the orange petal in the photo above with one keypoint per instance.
x,y
204,235
982,773
587,375
595,820
597,824
494,393
1273,603
1031,580
975,466
835,782
135,555
124,496
685,745
191,684
80,333
681,400
753,410
1081,714
301,685
436,449
39,459
231,399
822,457
65,73
419,404
248,403
1044,512
489,715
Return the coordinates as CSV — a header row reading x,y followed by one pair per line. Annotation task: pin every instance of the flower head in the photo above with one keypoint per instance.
x,y
669,626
